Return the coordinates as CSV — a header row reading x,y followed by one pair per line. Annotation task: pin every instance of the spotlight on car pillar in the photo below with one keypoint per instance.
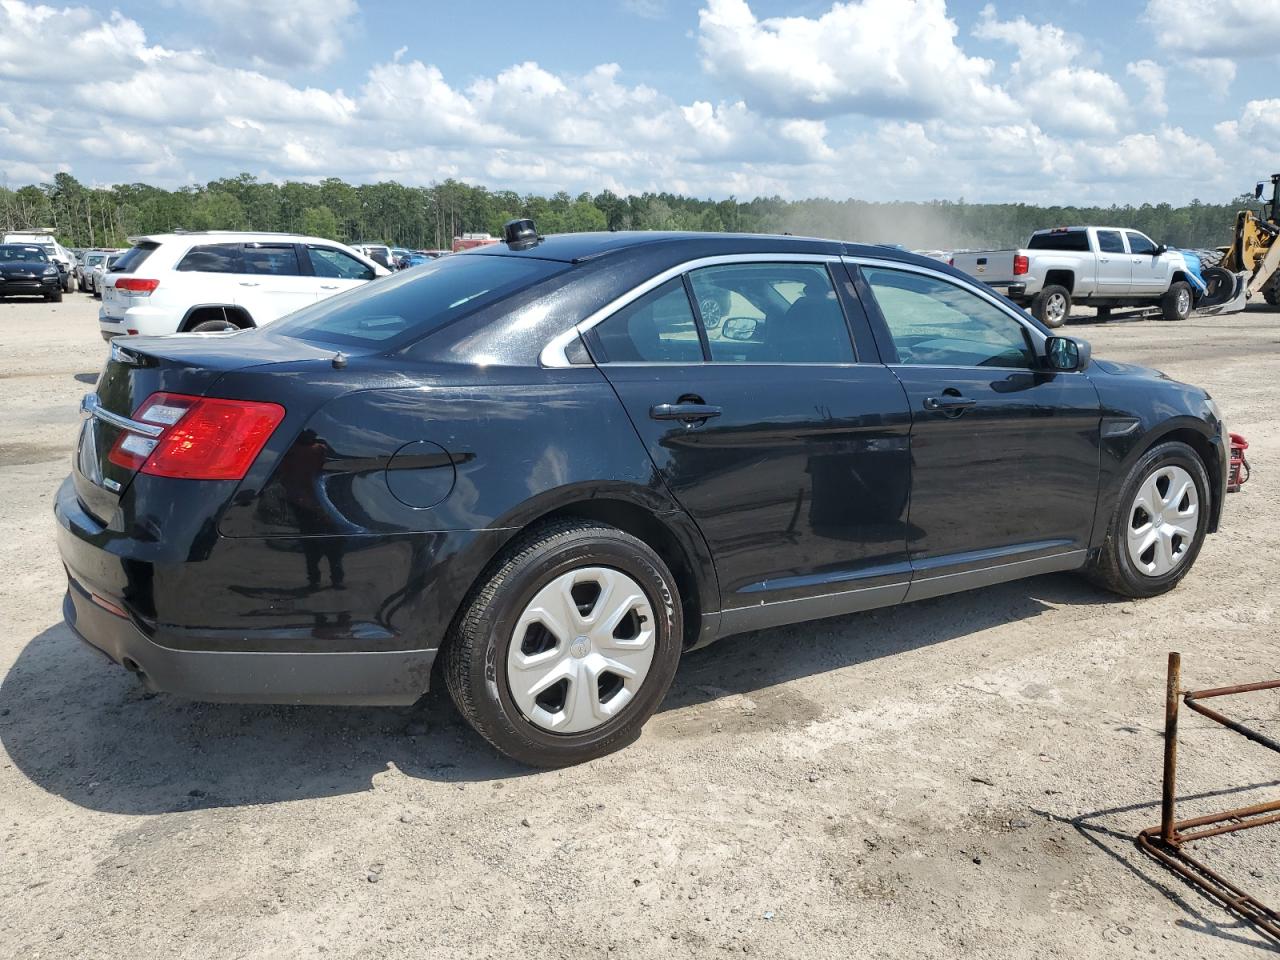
x,y
520,234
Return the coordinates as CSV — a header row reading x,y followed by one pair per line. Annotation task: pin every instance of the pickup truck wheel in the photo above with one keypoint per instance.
x,y
1176,303
1052,305
1158,526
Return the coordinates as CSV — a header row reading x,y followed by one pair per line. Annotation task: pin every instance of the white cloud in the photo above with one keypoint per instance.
x,y
280,33
1223,28
862,101
1058,94
1217,73
1152,76
871,57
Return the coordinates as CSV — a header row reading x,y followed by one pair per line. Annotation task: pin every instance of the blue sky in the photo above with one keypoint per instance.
x,y
1071,101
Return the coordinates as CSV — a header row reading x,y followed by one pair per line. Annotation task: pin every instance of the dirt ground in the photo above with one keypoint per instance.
x,y
956,778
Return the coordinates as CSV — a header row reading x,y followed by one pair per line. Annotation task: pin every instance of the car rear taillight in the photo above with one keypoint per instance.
x,y
137,286
199,438
1020,264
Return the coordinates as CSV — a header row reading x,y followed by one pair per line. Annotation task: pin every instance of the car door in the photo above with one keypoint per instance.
x,y
1115,272
1004,453
788,449
1150,278
335,270
272,282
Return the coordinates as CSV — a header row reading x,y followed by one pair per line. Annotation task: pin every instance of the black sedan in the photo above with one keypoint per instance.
x,y
26,271
549,466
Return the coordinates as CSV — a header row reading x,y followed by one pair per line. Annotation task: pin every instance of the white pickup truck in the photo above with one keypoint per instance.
x,y
1101,267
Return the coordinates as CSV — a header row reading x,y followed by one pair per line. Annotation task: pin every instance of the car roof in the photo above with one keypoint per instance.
x,y
230,236
578,247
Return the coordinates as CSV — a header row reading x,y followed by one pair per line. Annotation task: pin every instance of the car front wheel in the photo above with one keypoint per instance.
x,y
566,648
1158,526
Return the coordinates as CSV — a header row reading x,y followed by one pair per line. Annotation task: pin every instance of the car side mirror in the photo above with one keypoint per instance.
x,y
1160,250
1067,354
739,328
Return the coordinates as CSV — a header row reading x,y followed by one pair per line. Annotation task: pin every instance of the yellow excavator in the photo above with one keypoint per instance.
x,y
1254,254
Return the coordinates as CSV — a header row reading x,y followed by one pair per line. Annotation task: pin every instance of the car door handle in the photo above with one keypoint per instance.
x,y
683,411
947,404
249,283
328,286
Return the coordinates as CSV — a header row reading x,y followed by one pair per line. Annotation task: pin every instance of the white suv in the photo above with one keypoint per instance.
x,y
218,280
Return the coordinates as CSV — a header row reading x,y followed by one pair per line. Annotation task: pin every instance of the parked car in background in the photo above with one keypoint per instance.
x,y
433,254
27,271
101,269
469,241
379,253
220,280
59,255
537,461
1101,267
88,260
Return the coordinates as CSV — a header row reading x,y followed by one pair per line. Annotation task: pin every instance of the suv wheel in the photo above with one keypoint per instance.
x,y
214,326
1158,525
568,647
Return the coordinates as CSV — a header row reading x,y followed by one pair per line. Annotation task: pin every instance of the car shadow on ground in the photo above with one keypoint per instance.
x,y
84,729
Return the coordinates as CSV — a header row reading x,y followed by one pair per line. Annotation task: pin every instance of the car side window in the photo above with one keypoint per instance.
x,y
212,258
1139,244
277,261
328,262
1110,241
657,328
937,323
771,313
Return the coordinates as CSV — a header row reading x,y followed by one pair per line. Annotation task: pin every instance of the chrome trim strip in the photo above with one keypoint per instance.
x,y
553,354
975,287
91,406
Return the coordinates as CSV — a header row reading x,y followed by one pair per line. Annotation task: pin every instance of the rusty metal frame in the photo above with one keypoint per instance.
x,y
1167,841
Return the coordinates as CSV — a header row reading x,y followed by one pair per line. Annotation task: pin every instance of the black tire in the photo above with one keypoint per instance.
x,y
1271,292
213,326
72,284
1112,568
1052,305
1104,313
55,297
475,655
97,293
1177,301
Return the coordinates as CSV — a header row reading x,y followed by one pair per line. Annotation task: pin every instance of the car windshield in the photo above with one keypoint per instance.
x,y
397,309
10,251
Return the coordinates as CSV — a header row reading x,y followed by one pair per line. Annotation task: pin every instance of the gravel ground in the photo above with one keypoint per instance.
x,y
956,778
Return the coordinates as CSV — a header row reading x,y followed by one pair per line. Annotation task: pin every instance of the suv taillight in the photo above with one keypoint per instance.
x,y
202,438
137,286
1020,264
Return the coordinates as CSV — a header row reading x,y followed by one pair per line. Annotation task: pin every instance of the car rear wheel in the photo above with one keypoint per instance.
x,y
214,326
568,646
1158,526
1052,305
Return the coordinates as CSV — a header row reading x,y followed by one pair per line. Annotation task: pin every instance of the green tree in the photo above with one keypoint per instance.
x,y
319,222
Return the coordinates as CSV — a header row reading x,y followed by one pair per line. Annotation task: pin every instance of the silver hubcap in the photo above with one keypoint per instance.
x,y
1162,521
581,650
1184,301
1056,308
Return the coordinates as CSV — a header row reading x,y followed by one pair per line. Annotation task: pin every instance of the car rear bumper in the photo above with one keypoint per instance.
x,y
142,321
337,658
382,678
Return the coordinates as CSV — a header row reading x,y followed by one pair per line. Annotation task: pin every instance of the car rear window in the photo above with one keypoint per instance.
x,y
409,305
1074,240
212,258
134,257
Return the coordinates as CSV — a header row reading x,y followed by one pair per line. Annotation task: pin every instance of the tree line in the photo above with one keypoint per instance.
x,y
430,217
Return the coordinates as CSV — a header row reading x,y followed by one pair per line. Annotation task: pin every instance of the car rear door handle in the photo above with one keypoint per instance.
x,y
249,283
328,286
949,404
683,411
